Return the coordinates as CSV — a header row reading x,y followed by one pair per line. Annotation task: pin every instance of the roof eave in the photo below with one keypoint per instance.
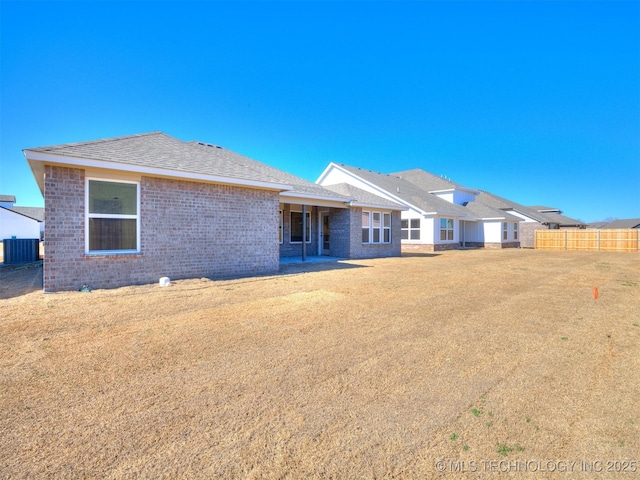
x,y
38,159
399,208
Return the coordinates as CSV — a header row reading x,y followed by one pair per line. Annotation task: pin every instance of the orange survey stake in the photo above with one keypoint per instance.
x,y
595,293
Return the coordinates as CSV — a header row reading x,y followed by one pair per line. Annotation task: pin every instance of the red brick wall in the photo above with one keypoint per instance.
x,y
187,230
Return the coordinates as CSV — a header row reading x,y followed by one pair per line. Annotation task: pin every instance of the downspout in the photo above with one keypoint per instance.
x,y
304,233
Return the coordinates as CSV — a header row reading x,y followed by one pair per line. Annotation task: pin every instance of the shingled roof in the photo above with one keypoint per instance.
x,y
408,192
428,181
37,213
161,154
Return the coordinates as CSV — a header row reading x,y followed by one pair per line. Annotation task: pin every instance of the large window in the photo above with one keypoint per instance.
x,y
296,227
411,229
376,227
446,229
112,216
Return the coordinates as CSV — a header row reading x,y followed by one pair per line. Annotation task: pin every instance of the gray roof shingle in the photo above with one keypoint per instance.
x,y
363,197
408,192
161,151
427,181
37,213
623,223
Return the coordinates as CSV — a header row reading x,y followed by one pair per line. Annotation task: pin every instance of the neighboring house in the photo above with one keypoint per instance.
x,y
620,223
439,214
132,209
531,218
7,201
20,222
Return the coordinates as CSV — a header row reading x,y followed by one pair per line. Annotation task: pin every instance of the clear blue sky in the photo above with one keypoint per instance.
x,y
538,102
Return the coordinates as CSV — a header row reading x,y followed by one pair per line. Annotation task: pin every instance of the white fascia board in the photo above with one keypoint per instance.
x,y
314,200
326,171
459,189
151,171
379,207
393,198
445,190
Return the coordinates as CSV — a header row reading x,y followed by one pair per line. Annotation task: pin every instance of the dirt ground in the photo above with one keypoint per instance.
x,y
465,364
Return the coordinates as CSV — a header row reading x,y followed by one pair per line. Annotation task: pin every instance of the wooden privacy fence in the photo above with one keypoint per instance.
x,y
604,240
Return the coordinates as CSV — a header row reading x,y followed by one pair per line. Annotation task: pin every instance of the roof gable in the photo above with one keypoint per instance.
x,y
407,192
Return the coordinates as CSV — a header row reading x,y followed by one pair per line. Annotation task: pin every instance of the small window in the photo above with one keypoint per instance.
x,y
280,226
446,229
112,216
515,231
296,227
505,230
386,226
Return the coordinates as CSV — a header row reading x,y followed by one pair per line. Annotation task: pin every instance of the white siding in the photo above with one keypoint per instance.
x,y
473,231
448,196
456,196
13,224
493,231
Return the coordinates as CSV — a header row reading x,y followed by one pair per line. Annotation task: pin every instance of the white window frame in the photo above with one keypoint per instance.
x,y
381,228
515,231
505,231
89,215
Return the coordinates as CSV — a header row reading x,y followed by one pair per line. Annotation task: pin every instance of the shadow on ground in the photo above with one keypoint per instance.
x,y
303,267
17,280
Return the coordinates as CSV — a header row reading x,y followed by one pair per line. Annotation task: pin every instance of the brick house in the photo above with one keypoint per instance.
x,y
129,210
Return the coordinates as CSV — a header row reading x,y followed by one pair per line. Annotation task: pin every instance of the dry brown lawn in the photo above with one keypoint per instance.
x,y
369,369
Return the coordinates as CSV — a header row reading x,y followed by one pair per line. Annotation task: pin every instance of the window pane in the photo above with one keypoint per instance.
x,y
415,234
376,219
365,219
415,223
404,223
112,234
449,234
443,223
450,223
387,235
405,234
296,227
386,219
113,198
443,234
376,235
365,235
